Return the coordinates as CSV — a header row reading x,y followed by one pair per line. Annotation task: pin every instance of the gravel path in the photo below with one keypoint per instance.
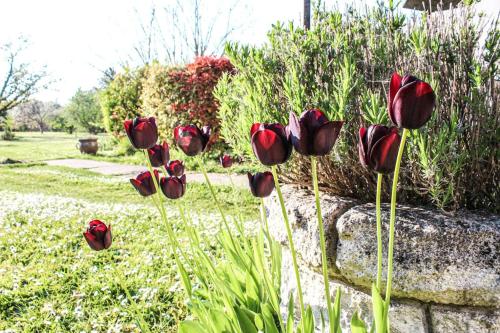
x,y
130,171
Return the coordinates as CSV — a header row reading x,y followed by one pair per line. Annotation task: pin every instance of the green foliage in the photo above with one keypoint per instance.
x,y
121,99
6,125
60,123
342,66
84,111
174,95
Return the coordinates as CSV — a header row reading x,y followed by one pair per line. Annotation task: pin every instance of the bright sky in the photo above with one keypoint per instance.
x,y
78,39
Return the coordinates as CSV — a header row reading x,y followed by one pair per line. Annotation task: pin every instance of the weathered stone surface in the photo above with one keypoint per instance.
x,y
447,260
464,320
404,316
301,208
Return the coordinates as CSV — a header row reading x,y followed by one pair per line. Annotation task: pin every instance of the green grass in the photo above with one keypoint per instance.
x,y
50,281
36,147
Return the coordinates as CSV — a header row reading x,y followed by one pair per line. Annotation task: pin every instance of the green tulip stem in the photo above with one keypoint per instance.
x,y
264,219
324,264
379,231
214,196
171,235
391,227
292,247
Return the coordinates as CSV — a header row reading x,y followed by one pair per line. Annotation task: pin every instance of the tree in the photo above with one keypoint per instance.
x,y
187,29
84,111
18,82
35,114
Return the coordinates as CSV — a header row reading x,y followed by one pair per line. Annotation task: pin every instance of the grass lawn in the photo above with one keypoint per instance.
x,y
50,280
36,147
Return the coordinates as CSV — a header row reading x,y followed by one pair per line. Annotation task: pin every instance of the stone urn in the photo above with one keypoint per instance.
x,y
88,146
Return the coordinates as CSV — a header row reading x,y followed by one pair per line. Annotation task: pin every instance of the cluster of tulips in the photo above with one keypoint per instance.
x,y
410,105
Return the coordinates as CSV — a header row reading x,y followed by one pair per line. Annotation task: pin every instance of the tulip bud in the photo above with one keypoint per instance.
x,y
226,161
142,132
144,183
270,143
98,235
261,184
175,168
159,155
411,101
378,148
173,187
191,140
313,133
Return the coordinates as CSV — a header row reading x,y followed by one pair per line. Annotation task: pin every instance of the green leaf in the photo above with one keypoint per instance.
x,y
185,278
378,310
357,324
309,320
269,318
259,323
336,311
291,312
189,326
245,322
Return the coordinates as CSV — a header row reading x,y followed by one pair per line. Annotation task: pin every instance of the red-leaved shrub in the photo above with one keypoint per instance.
x,y
191,98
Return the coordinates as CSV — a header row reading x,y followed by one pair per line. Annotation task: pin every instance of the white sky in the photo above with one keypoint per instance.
x,y
76,39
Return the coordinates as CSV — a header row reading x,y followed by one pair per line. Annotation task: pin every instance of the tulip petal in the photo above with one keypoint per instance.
x,y
413,105
269,147
255,127
313,119
394,87
384,153
362,147
108,238
298,135
261,184
325,137
93,241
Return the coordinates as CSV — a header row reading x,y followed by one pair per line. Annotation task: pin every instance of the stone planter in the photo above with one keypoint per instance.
x,y
446,268
88,146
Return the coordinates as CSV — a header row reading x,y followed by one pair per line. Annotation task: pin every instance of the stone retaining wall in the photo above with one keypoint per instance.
x,y
446,268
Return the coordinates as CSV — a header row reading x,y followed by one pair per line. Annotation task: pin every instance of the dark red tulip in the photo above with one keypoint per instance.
x,y
191,140
144,183
378,148
270,143
226,161
142,132
411,101
98,235
313,133
175,168
173,187
261,184
159,155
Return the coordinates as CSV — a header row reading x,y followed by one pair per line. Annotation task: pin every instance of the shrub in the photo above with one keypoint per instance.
x,y
121,99
342,65
184,95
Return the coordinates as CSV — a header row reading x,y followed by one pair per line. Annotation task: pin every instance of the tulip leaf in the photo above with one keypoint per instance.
x,y
246,323
185,278
291,314
269,319
378,310
357,324
336,310
189,326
